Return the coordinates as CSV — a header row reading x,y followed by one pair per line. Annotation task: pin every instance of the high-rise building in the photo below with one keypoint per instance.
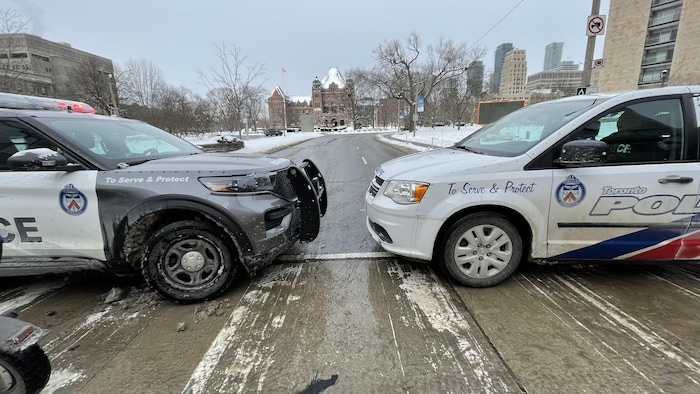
x,y
498,60
514,76
552,55
650,43
475,77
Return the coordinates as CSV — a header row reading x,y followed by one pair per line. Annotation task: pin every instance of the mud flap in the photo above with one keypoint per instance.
x,y
310,188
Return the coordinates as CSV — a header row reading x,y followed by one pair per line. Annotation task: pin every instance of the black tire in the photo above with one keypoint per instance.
x,y
481,250
189,261
26,372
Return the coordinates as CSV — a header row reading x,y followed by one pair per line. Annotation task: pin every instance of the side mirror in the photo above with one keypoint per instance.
x,y
36,160
582,152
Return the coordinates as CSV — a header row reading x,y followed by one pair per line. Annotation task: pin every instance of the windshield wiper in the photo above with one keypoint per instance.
x,y
468,149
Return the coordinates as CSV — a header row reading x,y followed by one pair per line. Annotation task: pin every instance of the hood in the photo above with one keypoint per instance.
x,y
433,165
230,162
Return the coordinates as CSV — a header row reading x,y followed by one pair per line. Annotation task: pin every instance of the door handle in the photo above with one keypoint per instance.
x,y
675,179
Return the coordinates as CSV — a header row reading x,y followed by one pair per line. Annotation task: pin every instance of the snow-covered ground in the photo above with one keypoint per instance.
x,y
425,138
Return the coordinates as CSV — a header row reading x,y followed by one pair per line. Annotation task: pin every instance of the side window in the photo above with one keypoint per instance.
x,y
16,137
645,132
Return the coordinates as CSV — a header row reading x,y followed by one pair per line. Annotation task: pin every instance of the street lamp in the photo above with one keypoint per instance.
x,y
114,110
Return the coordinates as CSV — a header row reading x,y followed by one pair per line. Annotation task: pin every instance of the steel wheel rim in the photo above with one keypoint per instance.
x,y
179,268
7,381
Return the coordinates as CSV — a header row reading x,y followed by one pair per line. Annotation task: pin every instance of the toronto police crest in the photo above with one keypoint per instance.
x,y
72,200
570,192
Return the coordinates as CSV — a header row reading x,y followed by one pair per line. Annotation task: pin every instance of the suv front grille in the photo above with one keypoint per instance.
x,y
375,185
283,185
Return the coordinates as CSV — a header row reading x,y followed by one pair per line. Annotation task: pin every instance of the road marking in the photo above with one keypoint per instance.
x,y
334,256
363,160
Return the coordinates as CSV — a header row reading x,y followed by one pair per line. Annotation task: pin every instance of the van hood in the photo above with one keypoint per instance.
x,y
436,164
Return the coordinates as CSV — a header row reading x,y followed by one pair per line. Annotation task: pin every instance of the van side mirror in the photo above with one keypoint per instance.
x,y
582,152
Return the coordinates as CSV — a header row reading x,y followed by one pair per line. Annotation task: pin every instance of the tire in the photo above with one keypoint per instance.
x,y
26,372
481,250
189,261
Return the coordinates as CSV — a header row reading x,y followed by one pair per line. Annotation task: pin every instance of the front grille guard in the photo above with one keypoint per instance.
x,y
310,188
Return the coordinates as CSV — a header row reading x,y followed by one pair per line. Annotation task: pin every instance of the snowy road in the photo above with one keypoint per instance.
x,y
338,315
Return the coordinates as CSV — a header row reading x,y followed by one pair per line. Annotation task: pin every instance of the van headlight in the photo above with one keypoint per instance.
x,y
253,183
406,192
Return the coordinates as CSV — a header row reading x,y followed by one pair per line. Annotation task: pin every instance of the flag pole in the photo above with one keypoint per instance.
x,y
284,103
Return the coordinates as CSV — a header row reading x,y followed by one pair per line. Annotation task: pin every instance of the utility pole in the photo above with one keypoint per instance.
x,y
590,50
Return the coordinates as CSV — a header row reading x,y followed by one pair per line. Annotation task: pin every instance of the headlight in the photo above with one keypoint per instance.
x,y
406,192
260,182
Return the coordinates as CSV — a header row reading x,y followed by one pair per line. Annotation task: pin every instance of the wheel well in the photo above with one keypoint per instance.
x,y
516,218
137,233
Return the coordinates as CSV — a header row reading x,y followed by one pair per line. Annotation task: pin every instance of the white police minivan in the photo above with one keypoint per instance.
x,y
587,178
84,191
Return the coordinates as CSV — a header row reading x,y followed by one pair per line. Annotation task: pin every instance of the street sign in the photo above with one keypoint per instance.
x,y
421,104
598,63
596,25
588,90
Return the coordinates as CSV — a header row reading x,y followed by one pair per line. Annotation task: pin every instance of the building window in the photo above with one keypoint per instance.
x,y
662,36
665,16
658,56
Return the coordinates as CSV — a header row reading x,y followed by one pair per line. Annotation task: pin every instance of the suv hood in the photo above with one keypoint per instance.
x,y
433,165
238,163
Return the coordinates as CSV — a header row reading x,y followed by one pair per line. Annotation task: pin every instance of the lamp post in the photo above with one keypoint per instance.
x,y
112,82
113,110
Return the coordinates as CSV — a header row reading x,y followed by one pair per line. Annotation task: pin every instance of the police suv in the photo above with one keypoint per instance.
x,y
596,177
84,191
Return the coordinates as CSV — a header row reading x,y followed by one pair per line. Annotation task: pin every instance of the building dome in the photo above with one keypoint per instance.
x,y
333,77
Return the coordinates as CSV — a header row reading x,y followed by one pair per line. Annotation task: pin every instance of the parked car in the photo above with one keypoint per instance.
x,y
589,178
273,132
84,191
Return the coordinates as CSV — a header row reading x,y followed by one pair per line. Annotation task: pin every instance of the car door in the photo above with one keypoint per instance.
x,y
636,205
45,212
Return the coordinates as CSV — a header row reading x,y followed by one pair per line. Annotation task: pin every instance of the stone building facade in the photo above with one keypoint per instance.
x,y
514,76
649,43
34,66
330,106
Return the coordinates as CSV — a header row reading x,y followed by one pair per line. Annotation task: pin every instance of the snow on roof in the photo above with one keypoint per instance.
x,y
293,99
299,99
333,77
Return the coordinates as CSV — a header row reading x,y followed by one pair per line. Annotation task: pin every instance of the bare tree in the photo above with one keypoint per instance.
x,y
402,72
89,82
367,97
232,86
11,66
141,82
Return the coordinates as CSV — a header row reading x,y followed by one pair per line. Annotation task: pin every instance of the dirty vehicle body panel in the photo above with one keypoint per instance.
x,y
84,191
587,178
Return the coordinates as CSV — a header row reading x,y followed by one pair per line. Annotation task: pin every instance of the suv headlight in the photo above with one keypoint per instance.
x,y
406,192
252,183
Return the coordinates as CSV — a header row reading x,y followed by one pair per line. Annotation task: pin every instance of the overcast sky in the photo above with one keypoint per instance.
x,y
305,37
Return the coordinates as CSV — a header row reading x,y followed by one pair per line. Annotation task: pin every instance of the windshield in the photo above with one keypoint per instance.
x,y
517,132
119,140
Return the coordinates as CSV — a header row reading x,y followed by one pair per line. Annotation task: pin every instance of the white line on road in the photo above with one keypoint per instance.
x,y
334,256
363,160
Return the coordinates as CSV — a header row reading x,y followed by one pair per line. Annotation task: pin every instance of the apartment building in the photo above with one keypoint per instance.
x,y
650,43
514,76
